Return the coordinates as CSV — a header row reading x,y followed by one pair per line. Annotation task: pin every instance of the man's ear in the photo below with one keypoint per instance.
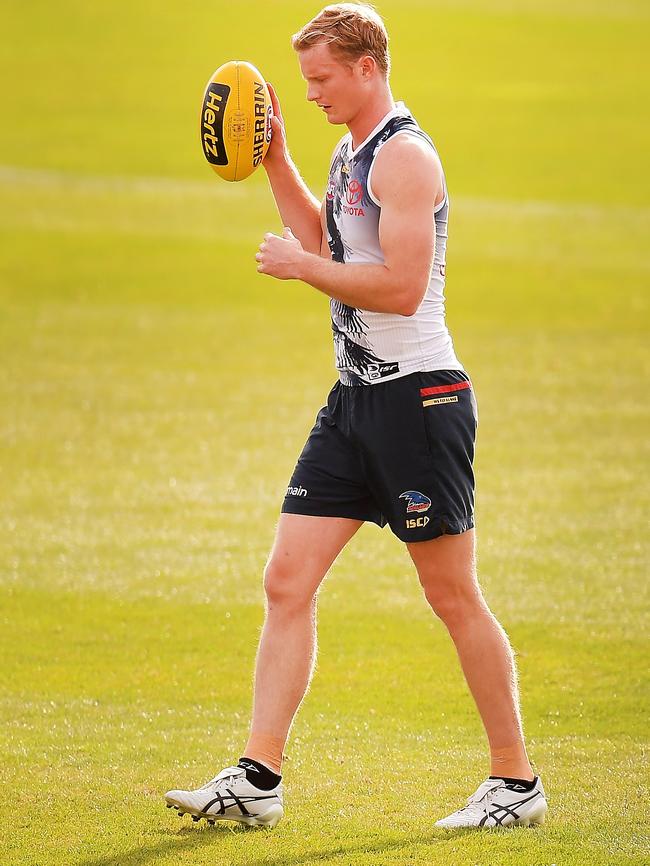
x,y
368,65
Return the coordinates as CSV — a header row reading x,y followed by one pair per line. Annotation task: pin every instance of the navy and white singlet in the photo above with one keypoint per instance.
x,y
373,347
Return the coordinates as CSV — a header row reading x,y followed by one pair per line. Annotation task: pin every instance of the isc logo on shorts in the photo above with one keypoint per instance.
x,y
415,522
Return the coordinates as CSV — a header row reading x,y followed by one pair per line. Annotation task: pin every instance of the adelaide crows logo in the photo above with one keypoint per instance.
x,y
416,502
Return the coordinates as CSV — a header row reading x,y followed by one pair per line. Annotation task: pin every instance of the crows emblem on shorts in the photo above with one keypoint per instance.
x,y
416,502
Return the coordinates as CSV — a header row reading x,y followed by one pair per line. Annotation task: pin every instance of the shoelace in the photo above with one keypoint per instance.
x,y
483,794
218,780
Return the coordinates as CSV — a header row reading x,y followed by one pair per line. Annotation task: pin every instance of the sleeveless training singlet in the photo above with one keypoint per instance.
x,y
375,347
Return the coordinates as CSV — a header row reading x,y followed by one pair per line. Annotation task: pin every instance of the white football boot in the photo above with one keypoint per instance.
x,y
495,805
230,797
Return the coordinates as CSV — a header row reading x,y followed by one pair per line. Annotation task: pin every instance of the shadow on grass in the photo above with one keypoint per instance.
x,y
191,837
439,838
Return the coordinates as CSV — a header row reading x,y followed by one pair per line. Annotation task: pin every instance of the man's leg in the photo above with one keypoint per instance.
x,y
251,792
304,549
447,570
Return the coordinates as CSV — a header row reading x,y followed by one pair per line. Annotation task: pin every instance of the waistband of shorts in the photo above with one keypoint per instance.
x,y
360,386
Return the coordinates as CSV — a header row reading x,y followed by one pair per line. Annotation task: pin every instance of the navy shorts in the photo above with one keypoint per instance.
x,y
398,452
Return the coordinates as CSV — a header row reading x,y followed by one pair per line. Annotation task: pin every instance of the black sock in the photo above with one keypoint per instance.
x,y
517,784
259,775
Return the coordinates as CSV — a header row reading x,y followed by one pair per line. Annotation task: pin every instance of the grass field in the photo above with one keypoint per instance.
x,y
155,391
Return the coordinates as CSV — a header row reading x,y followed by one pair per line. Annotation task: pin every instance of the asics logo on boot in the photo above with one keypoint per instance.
x,y
235,801
506,810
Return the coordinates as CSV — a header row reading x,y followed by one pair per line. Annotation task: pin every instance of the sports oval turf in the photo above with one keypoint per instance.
x,y
155,391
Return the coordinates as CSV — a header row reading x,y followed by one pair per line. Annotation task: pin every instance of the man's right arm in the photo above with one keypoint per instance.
x,y
298,208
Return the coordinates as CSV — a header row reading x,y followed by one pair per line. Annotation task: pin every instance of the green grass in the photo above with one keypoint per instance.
x,y
155,391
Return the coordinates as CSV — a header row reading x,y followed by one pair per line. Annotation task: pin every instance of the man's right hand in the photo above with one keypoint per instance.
x,y
277,151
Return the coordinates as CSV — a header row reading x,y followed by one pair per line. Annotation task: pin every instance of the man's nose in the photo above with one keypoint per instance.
x,y
312,94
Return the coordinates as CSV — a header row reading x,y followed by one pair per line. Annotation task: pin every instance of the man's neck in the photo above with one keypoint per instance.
x,y
368,117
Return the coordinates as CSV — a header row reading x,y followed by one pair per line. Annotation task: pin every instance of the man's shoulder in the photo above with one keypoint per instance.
x,y
408,164
407,151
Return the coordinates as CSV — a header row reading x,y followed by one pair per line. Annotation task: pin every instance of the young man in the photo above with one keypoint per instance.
x,y
395,442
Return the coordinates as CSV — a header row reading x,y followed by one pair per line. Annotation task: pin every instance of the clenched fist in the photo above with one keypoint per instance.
x,y
280,256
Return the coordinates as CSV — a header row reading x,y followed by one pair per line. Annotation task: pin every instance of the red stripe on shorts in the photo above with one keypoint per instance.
x,y
444,389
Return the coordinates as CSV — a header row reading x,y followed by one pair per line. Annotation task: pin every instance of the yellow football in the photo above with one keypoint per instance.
x,y
236,120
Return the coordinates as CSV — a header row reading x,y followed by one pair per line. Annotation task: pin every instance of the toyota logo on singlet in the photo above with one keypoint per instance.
x,y
354,192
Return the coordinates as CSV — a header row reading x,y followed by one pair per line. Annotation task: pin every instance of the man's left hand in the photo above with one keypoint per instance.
x,y
280,256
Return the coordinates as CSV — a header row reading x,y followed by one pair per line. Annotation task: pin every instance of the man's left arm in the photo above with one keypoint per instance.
x,y
407,181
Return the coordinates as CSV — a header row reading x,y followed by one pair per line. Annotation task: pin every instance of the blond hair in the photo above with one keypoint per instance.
x,y
352,30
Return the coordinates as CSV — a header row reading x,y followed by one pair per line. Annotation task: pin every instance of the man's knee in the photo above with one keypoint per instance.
x,y
455,603
286,585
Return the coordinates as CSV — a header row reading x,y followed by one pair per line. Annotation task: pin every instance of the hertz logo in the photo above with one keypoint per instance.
x,y
214,106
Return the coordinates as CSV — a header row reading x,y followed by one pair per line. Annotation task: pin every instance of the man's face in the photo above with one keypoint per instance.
x,y
335,87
